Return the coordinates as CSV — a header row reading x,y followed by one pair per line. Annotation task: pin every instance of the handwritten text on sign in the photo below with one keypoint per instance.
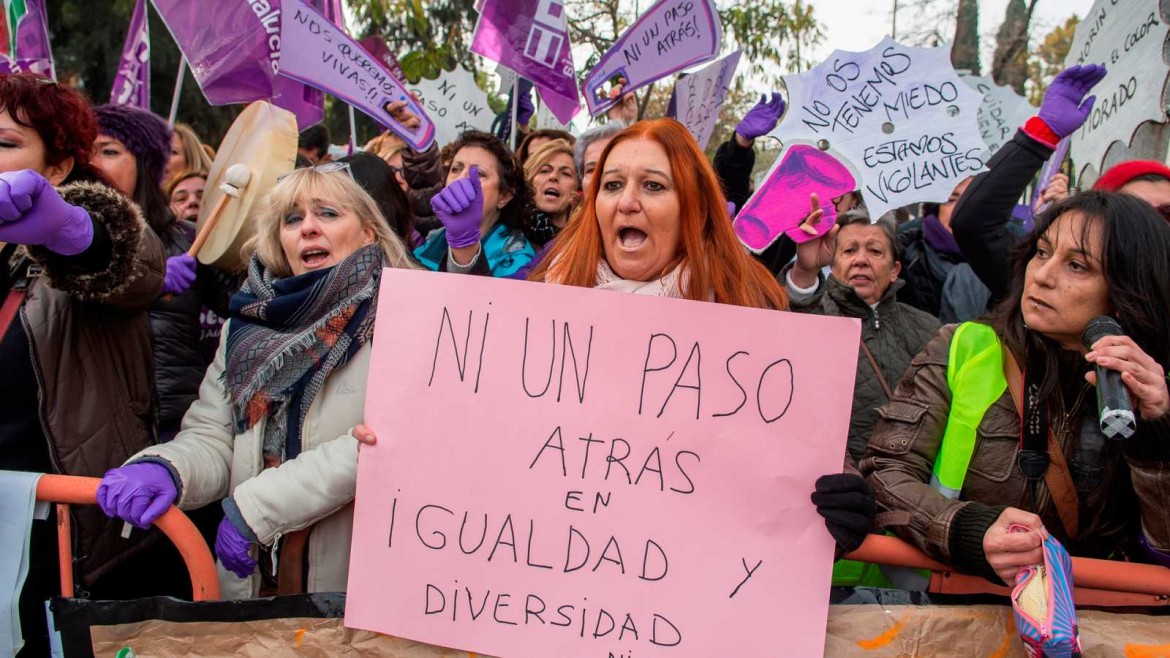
x,y
325,57
1126,37
455,102
701,95
570,472
670,36
898,115
1002,112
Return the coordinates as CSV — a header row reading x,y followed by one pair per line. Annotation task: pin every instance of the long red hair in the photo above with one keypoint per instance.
x,y
715,262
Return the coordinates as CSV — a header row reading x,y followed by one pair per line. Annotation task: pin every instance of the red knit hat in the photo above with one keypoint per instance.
x,y
1119,175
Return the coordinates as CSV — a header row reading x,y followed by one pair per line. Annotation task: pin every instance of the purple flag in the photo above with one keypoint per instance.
x,y
531,37
132,82
233,49
24,39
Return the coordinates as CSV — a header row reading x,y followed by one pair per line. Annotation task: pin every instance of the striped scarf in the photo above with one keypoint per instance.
x,y
287,335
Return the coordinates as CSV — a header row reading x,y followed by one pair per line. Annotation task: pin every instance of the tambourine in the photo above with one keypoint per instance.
x,y
260,146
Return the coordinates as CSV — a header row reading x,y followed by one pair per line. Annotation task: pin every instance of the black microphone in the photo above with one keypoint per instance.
x,y
1113,407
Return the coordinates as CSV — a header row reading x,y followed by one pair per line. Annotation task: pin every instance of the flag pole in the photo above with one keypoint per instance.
x,y
352,131
178,91
515,105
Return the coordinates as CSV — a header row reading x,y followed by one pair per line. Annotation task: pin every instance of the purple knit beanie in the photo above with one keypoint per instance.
x,y
145,135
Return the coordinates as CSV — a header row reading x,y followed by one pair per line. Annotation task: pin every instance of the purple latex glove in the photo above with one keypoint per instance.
x,y
761,119
180,274
32,213
231,547
1065,107
137,493
526,108
731,208
460,207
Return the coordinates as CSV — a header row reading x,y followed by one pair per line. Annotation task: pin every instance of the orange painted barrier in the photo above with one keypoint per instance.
x,y
1096,582
67,490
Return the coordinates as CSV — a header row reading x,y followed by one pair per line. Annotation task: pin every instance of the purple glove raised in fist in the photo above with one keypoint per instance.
x,y
761,119
32,213
231,547
180,274
1065,107
460,207
526,108
137,493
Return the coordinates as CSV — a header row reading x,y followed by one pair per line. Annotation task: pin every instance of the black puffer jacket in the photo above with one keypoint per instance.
x,y
176,325
894,332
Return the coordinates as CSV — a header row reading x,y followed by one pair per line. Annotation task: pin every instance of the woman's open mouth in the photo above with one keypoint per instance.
x,y
314,257
631,238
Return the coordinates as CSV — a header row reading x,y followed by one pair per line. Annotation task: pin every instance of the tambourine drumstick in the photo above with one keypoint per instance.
x,y
235,179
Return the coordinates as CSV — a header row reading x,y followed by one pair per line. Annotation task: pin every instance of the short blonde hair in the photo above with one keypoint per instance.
x,y
385,145
544,154
195,152
340,189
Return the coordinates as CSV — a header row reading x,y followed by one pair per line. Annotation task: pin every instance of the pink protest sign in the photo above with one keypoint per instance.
x,y
782,202
326,58
572,472
672,35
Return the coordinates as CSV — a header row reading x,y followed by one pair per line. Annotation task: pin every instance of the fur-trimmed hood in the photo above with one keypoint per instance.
x,y
110,266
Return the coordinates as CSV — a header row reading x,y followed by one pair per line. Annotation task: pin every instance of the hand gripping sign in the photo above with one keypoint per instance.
x,y
325,57
1126,37
671,36
897,116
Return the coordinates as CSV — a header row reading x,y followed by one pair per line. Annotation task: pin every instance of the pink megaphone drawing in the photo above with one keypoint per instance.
x,y
782,202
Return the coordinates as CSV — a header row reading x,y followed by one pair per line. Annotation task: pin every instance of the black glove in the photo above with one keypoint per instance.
x,y
846,501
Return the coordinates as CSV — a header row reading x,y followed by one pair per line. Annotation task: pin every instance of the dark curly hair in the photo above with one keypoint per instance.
x,y
61,116
517,214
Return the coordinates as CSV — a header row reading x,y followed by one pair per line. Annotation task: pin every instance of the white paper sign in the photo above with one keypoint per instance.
x,y
455,103
899,117
701,94
1126,37
1003,112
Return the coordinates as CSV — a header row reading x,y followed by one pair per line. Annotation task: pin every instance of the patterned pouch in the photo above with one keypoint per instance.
x,y
1042,604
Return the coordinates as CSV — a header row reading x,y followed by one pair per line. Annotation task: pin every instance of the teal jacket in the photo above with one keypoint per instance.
x,y
506,250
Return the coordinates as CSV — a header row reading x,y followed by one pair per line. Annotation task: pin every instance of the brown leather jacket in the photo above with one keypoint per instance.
x,y
1133,493
89,334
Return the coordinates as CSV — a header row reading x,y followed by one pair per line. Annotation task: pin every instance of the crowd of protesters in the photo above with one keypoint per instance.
x,y
182,384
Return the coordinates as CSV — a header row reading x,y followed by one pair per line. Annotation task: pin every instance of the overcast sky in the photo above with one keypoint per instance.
x,y
859,24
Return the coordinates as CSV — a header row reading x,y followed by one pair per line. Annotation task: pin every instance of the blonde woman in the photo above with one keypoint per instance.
x,y
188,152
270,432
553,178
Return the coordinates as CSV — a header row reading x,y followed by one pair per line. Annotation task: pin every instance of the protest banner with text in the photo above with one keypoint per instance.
x,y
1001,114
700,95
572,472
455,102
1126,37
670,36
898,116
326,58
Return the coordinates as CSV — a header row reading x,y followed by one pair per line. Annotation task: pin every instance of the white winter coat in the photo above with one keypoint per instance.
x,y
314,489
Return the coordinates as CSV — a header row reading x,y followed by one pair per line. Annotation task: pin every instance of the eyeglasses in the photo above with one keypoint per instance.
x,y
327,168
